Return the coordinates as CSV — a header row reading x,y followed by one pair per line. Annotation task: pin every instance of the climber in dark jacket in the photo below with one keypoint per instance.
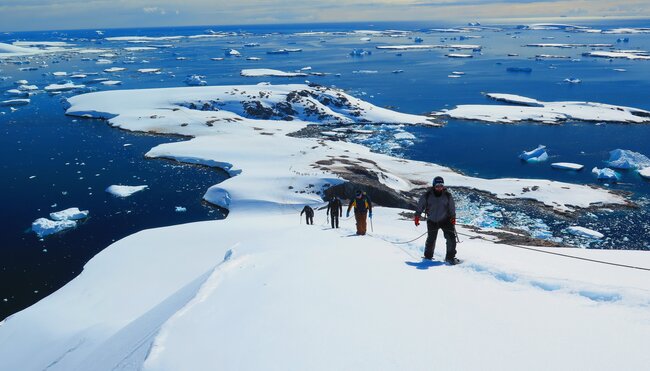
x,y
439,205
336,210
362,208
309,214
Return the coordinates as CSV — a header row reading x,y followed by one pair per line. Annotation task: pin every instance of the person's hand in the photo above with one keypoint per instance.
x,y
347,214
417,220
453,221
370,214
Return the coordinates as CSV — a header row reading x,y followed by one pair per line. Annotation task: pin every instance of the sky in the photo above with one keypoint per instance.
x,y
26,15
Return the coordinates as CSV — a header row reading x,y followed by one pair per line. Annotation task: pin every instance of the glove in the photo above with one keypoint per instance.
x,y
370,215
347,214
453,221
417,220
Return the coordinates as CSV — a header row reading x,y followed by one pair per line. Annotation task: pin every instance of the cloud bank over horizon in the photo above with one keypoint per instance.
x,y
26,15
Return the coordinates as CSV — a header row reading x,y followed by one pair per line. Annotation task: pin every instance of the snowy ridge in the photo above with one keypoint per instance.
x,y
239,292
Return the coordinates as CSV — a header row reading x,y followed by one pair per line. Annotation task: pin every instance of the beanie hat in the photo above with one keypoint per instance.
x,y
438,180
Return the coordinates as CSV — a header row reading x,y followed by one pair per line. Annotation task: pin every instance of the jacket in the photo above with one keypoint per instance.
x,y
439,209
335,206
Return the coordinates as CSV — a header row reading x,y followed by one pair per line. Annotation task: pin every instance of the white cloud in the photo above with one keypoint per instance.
x,y
155,9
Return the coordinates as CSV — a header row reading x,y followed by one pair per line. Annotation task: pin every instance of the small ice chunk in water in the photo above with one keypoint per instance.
x,y
606,174
72,213
625,159
567,166
124,191
537,155
45,227
572,80
645,172
195,80
585,232
180,209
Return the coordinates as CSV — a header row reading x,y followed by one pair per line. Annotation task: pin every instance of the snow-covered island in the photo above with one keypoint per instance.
x,y
258,290
520,109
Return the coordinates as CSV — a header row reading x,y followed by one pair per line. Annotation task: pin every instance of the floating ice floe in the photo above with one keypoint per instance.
x,y
114,69
62,87
195,80
537,155
14,102
566,46
459,55
44,227
552,56
528,109
585,232
124,191
111,82
606,174
139,48
72,213
626,159
365,72
425,47
103,61
625,54
567,166
149,70
78,76
572,80
253,59
180,209
232,53
645,172
59,73
17,93
360,52
257,72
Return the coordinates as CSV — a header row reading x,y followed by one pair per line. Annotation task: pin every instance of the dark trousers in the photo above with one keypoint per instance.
x,y
309,219
335,220
432,234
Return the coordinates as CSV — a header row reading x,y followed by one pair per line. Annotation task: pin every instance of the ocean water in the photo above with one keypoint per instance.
x,y
52,162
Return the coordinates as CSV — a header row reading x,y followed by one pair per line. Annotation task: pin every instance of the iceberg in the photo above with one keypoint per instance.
x,y
626,159
72,213
14,102
195,80
257,72
645,172
124,191
45,227
567,166
585,232
114,69
62,87
537,155
606,174
232,53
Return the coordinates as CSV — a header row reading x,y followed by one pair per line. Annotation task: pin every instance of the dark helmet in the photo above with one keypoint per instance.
x,y
359,193
438,180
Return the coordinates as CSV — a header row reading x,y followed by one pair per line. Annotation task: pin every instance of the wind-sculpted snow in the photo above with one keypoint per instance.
x,y
529,109
245,128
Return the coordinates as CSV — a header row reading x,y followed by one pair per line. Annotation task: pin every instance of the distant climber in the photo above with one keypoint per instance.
x,y
362,208
336,209
440,208
309,214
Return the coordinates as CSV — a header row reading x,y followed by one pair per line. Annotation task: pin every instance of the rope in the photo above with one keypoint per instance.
x,y
563,255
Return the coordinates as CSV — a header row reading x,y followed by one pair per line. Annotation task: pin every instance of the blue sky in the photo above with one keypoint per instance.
x,y
23,15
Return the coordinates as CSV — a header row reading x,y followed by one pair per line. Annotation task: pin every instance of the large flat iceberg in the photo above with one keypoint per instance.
x,y
528,109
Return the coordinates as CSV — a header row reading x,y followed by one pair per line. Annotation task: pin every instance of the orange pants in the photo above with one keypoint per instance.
x,y
361,222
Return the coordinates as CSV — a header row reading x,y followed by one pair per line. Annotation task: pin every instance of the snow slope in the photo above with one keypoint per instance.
x,y
213,295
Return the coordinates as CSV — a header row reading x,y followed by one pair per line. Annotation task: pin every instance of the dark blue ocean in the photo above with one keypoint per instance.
x,y
52,162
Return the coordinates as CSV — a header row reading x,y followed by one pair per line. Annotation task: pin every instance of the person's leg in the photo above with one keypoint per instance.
x,y
430,244
357,218
450,238
306,219
364,217
335,221
311,219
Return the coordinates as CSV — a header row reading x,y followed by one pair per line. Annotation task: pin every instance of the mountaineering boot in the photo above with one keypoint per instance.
x,y
452,261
